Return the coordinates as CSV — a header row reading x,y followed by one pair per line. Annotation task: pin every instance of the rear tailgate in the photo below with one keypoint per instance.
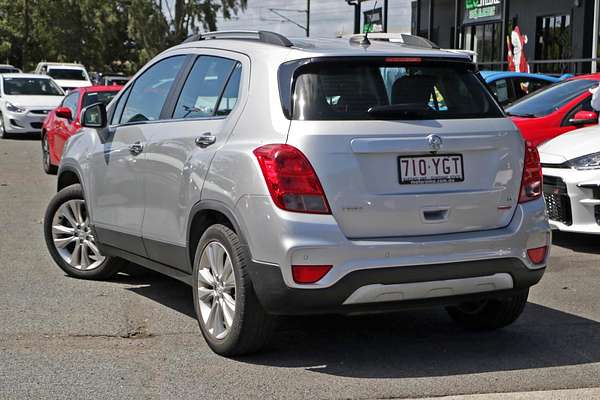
x,y
360,165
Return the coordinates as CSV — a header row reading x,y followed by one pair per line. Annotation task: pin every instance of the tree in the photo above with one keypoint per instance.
x,y
105,35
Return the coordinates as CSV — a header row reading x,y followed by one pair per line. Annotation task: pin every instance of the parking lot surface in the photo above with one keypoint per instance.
x,y
136,336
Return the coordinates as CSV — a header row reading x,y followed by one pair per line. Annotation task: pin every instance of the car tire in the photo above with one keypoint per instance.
x,y
229,314
3,133
49,168
489,314
70,240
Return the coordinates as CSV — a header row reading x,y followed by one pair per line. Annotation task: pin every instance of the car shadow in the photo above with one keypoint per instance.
x,y
424,343
24,137
578,242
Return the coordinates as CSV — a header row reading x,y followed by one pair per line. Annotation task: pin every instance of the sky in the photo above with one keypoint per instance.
x,y
328,18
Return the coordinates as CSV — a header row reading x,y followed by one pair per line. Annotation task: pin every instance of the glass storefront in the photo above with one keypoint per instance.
x,y
484,39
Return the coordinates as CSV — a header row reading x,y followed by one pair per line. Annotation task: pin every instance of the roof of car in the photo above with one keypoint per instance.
x,y
26,76
493,75
57,64
313,47
595,77
100,88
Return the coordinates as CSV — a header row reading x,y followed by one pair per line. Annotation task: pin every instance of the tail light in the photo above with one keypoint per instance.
x,y
537,255
531,183
292,181
309,273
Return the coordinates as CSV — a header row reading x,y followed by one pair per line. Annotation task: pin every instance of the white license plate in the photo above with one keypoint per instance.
x,y
443,168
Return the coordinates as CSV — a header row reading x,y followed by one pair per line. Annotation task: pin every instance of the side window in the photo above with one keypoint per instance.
x,y
203,87
525,86
231,92
150,91
119,107
500,89
71,103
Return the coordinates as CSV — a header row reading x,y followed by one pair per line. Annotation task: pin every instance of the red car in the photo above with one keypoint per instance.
x,y
63,122
557,109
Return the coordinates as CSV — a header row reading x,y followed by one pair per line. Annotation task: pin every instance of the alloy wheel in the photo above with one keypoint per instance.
x,y
73,238
216,290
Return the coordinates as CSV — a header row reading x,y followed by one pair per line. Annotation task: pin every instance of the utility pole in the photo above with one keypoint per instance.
x,y
595,38
385,16
307,18
356,4
25,34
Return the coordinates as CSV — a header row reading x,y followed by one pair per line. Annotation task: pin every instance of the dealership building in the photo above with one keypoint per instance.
x,y
556,36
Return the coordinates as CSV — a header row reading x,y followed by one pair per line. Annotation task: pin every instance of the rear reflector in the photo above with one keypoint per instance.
x,y
309,273
537,255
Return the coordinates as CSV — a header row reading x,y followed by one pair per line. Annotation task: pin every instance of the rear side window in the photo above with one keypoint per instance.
x,y
150,91
203,87
388,90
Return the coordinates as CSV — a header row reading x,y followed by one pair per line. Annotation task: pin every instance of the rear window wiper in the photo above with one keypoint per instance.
x,y
400,111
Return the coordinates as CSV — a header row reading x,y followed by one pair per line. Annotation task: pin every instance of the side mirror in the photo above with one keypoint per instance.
x,y
63,112
584,118
94,116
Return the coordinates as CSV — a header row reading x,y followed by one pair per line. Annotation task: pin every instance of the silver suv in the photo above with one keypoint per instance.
x,y
282,177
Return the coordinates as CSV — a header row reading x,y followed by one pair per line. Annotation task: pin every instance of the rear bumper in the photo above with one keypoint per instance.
x,y
287,239
344,297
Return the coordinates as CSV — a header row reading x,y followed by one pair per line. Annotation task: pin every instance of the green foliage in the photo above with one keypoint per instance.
x,y
106,35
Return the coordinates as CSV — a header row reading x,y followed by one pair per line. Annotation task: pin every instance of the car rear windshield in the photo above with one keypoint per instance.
x,y
389,89
98,97
68,74
31,86
8,70
550,99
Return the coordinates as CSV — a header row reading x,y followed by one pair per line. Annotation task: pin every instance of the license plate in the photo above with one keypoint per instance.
x,y
443,168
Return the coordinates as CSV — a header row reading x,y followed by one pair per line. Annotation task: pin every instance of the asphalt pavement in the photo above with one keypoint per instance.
x,y
135,336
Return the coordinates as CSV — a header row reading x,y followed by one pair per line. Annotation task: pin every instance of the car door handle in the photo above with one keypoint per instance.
x,y
206,140
136,148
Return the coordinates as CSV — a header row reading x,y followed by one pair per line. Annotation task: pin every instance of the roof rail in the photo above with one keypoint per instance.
x,y
262,36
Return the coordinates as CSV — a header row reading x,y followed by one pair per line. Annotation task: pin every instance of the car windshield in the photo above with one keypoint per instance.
x,y
68,74
115,81
31,86
8,70
98,97
550,99
390,89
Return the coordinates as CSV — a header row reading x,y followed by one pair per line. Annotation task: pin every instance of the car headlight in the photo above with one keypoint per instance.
x,y
12,108
590,161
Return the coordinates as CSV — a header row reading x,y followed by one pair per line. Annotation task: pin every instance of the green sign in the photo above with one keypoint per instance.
x,y
482,11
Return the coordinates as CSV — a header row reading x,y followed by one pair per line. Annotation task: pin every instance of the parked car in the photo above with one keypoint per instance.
x,y
508,86
306,185
64,121
68,75
571,168
557,109
9,69
25,100
110,80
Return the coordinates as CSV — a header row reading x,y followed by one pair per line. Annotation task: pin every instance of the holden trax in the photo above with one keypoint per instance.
x,y
281,177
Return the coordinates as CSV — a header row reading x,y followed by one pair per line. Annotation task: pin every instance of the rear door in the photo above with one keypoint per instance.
x,y
202,114
433,155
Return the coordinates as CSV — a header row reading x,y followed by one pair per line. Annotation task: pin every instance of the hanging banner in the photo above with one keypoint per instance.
x,y
482,11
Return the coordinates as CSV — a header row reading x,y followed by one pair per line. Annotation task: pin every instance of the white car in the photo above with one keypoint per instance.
x,y
571,169
25,101
68,76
